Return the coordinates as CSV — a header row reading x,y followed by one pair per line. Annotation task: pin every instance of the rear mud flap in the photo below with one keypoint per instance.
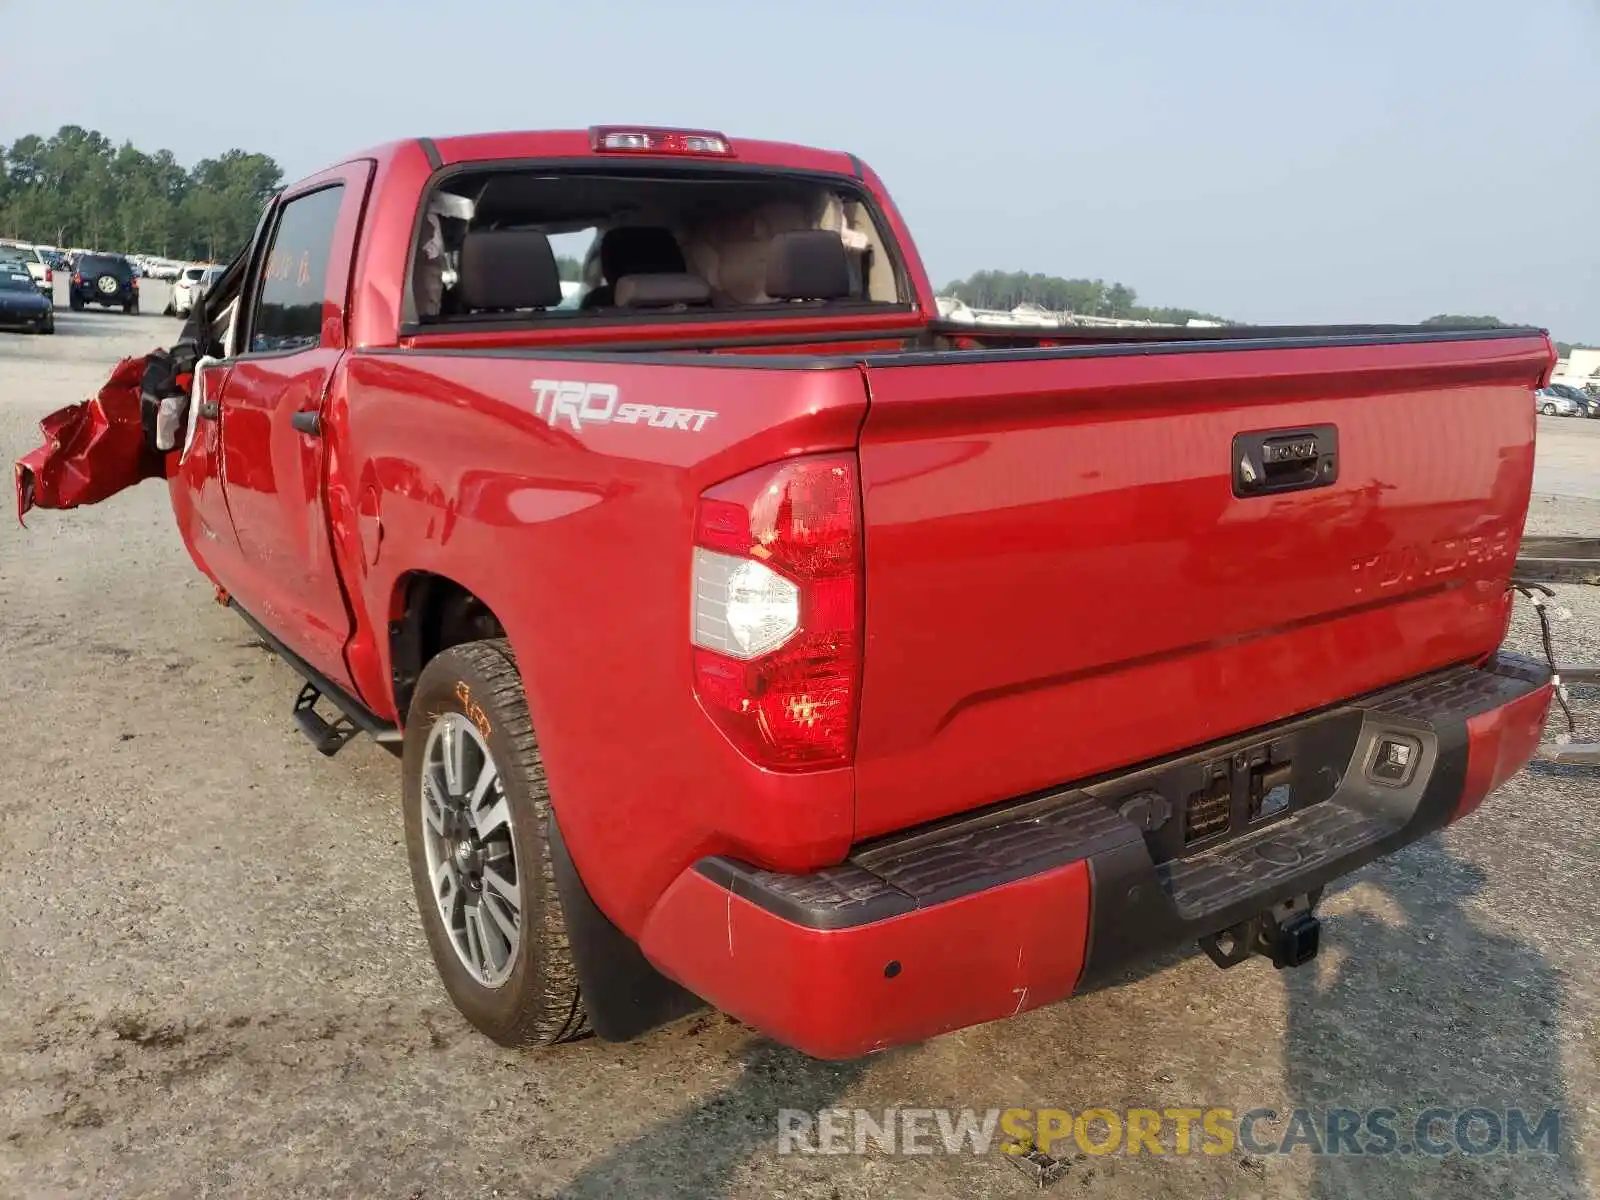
x,y
92,450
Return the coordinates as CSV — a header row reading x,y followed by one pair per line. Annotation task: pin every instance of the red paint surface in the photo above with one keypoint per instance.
x,y
581,544
1060,581
827,992
1500,743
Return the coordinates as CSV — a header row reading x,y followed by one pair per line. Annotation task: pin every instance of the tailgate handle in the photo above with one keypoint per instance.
x,y
308,422
1267,462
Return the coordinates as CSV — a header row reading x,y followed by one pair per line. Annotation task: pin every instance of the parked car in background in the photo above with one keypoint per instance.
x,y
1587,397
208,280
184,288
38,270
106,279
1560,400
22,305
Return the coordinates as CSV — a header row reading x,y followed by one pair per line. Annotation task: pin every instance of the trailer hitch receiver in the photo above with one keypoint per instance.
x,y
1288,933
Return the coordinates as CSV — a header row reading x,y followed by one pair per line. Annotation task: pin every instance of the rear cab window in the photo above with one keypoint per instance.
x,y
646,243
287,312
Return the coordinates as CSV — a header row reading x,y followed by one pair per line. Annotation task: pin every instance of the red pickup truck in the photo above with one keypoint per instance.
x,y
750,636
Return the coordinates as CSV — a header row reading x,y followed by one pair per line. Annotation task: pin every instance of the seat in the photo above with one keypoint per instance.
x,y
634,250
808,264
662,291
504,270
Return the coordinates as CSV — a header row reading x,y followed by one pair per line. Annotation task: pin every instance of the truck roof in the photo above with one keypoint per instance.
x,y
534,145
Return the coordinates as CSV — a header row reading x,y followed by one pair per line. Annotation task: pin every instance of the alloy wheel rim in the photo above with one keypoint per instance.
x,y
470,850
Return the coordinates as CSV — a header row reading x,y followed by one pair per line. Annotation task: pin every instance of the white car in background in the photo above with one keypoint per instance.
x,y
190,283
43,277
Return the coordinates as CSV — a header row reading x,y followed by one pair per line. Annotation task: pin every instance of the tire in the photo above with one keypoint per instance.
x,y
49,326
538,1001
1549,410
131,307
75,302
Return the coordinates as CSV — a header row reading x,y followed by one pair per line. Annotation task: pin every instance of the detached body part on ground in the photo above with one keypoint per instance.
x,y
753,637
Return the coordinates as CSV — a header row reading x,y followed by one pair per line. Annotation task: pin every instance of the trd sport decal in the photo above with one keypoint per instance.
x,y
578,404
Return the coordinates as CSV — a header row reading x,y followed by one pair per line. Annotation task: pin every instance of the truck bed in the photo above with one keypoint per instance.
x,y
1061,578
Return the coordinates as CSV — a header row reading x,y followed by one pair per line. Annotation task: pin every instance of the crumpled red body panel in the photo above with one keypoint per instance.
x,y
92,450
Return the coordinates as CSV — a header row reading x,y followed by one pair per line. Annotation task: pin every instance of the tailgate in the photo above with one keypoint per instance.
x,y
1068,570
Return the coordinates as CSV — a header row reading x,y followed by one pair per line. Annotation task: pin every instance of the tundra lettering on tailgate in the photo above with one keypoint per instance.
x,y
583,404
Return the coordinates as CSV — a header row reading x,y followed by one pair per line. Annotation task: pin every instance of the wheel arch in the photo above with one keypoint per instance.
x,y
623,993
431,613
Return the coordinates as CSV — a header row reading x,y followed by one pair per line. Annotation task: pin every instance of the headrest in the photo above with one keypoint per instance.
x,y
661,291
639,250
808,264
508,268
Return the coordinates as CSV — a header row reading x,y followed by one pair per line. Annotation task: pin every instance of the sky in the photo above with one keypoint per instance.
x,y
1368,160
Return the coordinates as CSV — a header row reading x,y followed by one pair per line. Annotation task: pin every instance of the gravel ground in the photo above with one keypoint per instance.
x,y
213,982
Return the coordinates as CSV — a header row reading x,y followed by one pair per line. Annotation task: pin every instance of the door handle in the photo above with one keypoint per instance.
x,y
308,423
1271,461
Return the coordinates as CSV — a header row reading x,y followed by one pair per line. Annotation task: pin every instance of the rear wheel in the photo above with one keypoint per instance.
x,y
477,812
49,325
1549,410
75,302
132,306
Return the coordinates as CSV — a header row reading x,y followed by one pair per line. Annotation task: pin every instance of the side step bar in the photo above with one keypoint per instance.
x,y
329,737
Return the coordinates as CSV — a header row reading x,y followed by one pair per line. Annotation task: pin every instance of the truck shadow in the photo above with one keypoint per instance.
x,y
1432,1010
697,1152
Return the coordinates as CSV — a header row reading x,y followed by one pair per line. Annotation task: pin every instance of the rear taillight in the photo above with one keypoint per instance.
x,y
777,611
49,275
77,278
133,282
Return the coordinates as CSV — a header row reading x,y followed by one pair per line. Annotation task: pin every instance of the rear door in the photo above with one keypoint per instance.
x,y
1067,572
270,417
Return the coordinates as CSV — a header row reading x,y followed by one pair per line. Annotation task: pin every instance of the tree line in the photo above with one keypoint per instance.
x,y
76,188
1086,297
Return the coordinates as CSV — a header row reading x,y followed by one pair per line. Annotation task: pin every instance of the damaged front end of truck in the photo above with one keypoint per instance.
x,y
133,428
93,449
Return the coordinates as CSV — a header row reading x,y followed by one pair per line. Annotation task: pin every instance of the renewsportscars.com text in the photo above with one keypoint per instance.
x,y
1175,1131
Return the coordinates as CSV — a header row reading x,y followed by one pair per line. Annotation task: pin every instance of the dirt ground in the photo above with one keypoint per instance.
x,y
213,981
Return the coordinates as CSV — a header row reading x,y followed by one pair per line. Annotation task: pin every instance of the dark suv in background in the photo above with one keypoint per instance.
x,y
107,279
